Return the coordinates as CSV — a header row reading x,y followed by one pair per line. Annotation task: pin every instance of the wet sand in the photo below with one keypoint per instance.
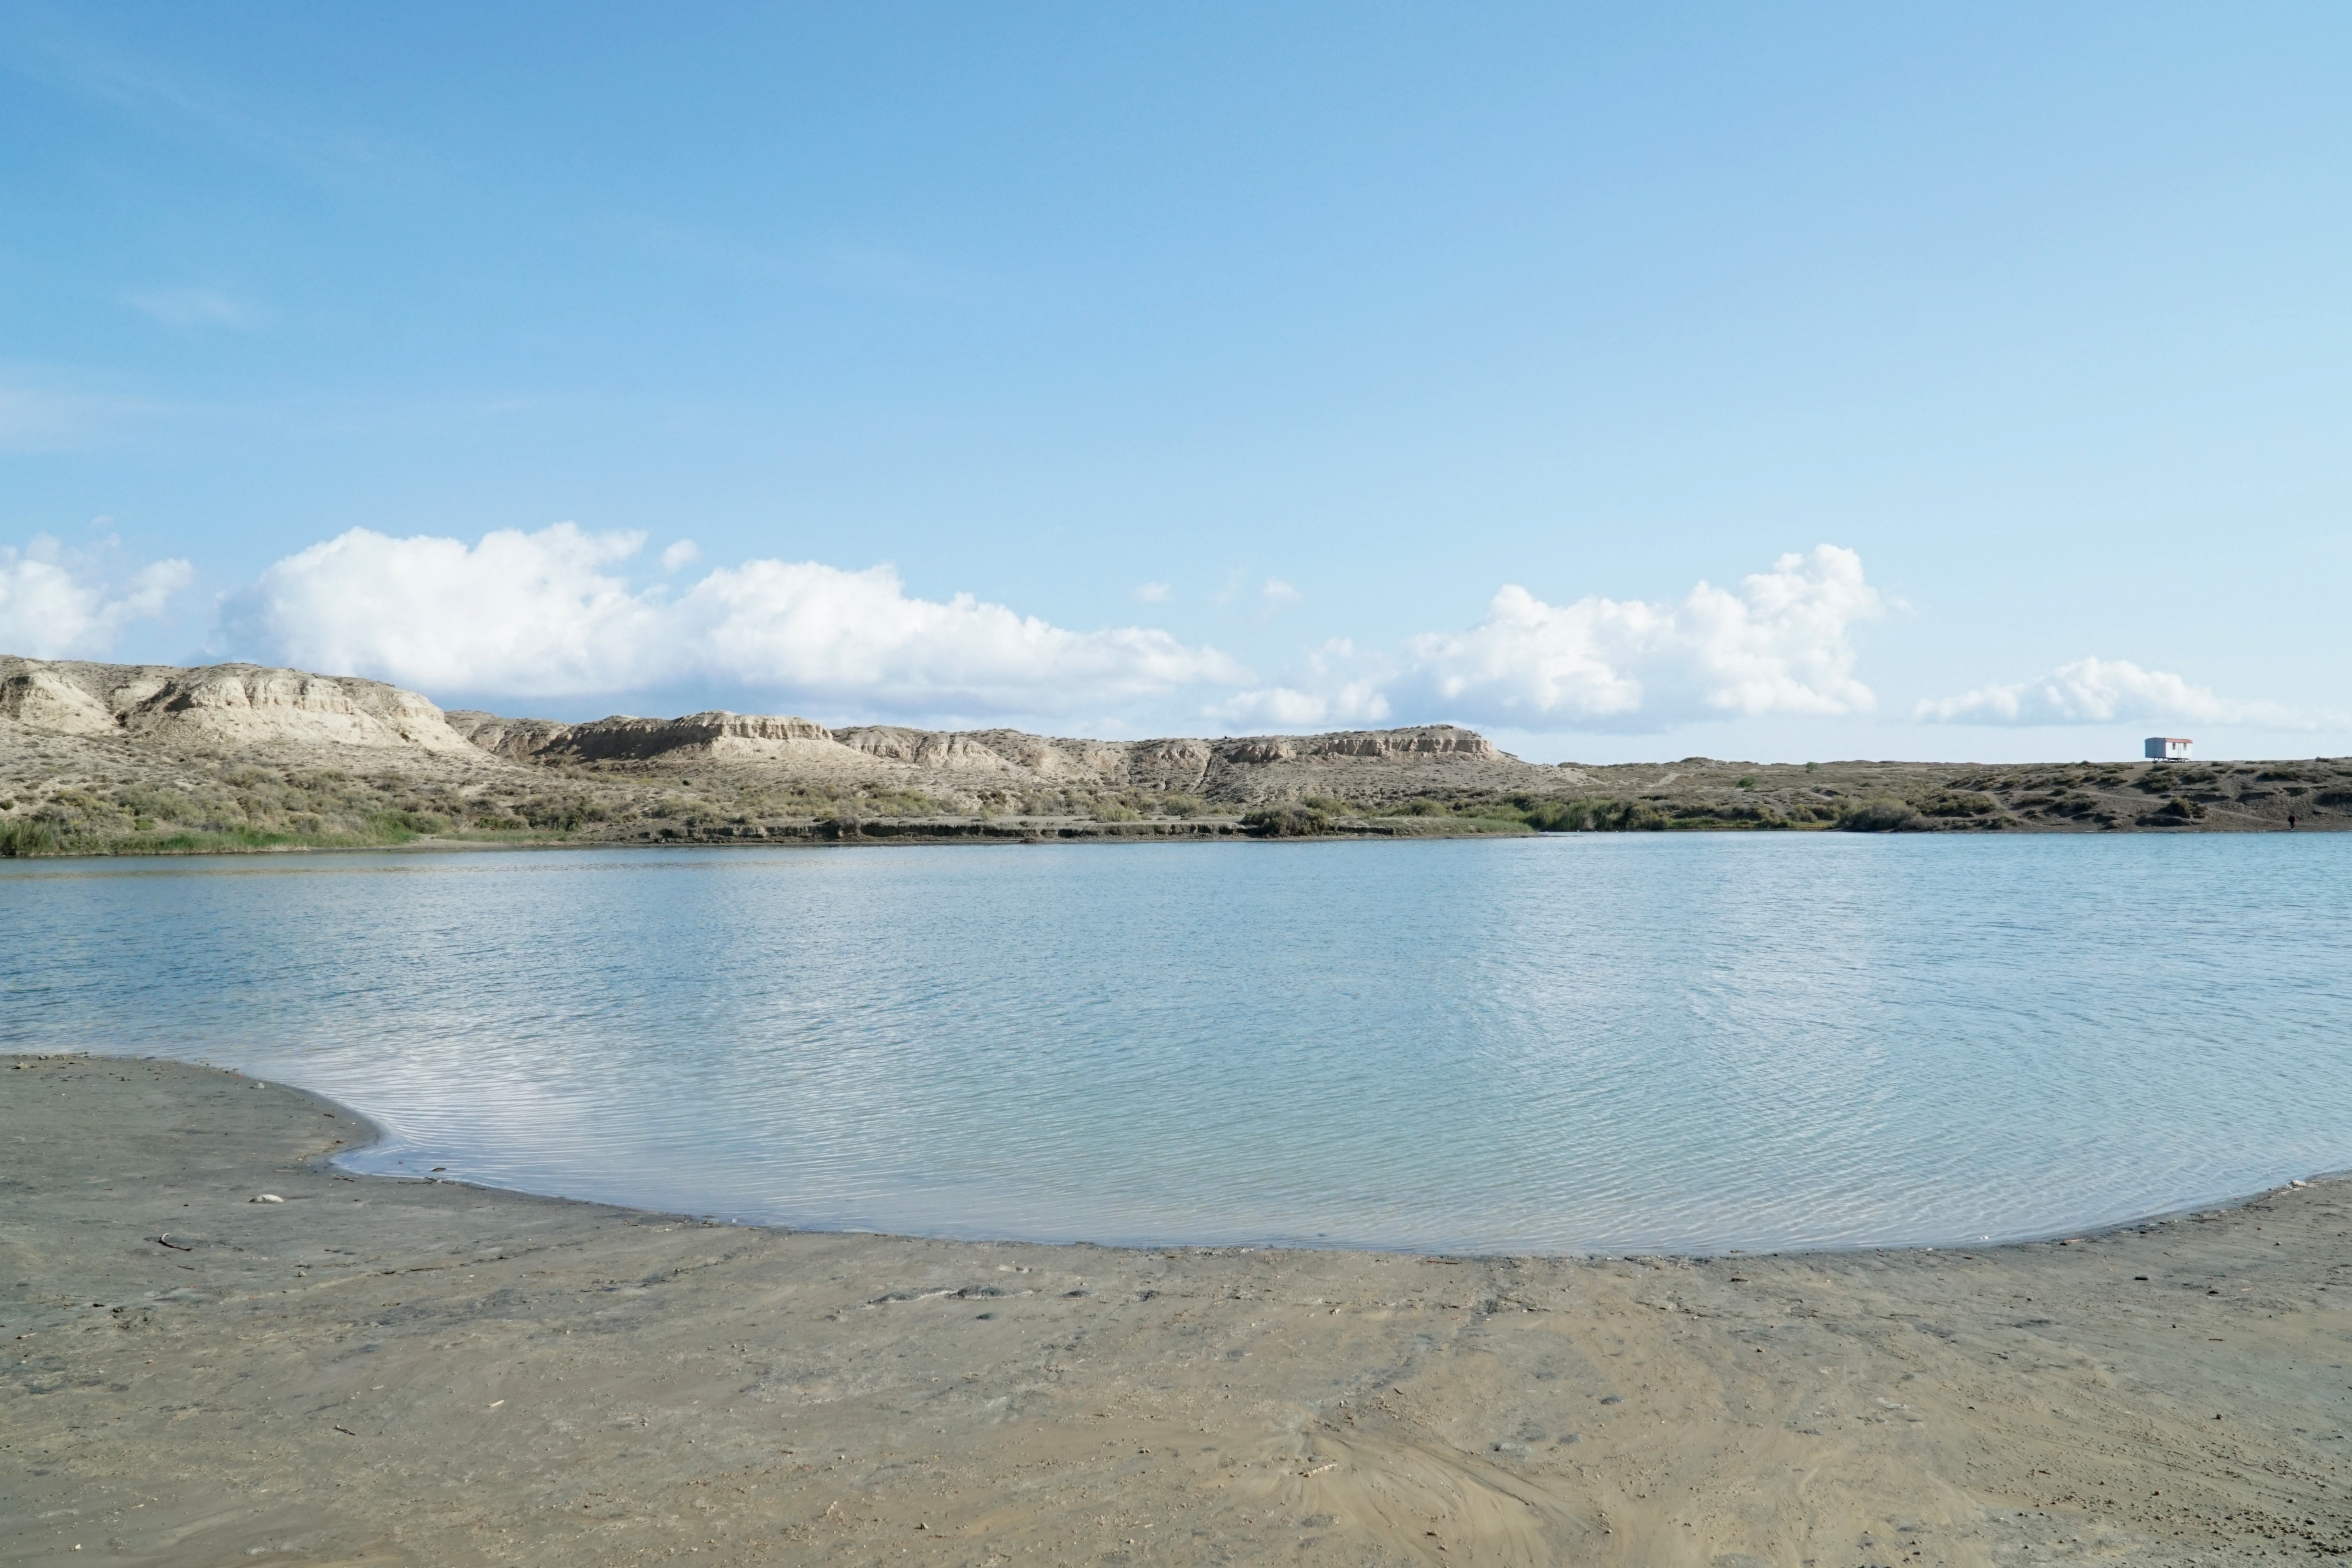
x,y
380,1371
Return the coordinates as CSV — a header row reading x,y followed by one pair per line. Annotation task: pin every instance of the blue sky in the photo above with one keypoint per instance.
x,y
1216,368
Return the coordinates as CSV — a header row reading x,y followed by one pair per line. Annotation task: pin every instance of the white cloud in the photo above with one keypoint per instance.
x,y
1335,688
1780,644
1152,592
2102,691
857,634
544,614
685,552
1352,702
1278,591
54,604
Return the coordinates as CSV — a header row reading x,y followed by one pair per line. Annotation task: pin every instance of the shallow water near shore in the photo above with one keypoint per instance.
x,y
1594,1043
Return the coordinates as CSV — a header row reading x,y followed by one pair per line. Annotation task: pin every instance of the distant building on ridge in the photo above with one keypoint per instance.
x,y
2167,749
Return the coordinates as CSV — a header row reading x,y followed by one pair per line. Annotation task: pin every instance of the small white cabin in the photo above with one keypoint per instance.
x,y
2167,749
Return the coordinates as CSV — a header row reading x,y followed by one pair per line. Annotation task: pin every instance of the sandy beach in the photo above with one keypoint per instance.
x,y
378,1372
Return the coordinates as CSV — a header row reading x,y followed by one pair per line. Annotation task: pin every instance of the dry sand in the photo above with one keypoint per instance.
x,y
382,1372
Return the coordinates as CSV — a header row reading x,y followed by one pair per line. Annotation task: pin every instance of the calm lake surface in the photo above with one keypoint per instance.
x,y
1605,1042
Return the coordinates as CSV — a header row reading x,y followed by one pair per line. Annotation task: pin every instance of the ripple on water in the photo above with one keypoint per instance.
x,y
1612,1043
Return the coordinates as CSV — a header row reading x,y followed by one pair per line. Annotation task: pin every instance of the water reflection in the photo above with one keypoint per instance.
x,y
1609,1043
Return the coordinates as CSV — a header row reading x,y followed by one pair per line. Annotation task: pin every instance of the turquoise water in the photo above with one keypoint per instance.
x,y
1603,1042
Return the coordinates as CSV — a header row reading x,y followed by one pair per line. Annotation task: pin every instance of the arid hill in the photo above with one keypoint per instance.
x,y
141,758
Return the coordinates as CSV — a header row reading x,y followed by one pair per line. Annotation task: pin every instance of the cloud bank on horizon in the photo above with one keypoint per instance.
x,y
551,615
1780,644
2102,691
541,615
55,602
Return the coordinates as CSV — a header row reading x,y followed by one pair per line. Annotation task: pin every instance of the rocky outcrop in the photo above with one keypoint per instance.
x,y
518,740
42,698
716,733
288,715
1159,764
1395,745
224,706
927,749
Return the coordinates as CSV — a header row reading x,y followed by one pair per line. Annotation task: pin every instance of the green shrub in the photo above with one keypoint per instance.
x,y
560,814
34,837
1557,815
1285,822
1748,783
1876,817
1593,817
1953,803
165,805
898,803
1183,805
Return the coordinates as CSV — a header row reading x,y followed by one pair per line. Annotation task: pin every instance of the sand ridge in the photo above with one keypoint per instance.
x,y
382,1372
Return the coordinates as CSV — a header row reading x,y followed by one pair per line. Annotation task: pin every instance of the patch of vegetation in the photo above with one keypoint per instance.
x,y
33,836
1594,817
1880,816
1953,803
898,803
562,813
1285,822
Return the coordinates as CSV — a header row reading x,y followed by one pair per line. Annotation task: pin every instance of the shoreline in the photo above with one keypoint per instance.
x,y
2200,1210
388,1371
1213,833
2067,1234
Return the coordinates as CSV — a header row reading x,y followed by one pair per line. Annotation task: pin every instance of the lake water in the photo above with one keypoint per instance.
x,y
1594,1043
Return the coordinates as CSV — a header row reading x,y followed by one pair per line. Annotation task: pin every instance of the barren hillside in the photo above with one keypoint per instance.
x,y
131,758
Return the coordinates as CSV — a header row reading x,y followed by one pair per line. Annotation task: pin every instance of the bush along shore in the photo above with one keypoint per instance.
x,y
250,807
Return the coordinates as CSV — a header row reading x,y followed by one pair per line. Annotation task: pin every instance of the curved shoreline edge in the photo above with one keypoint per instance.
x,y
377,1133
380,1134
395,1371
